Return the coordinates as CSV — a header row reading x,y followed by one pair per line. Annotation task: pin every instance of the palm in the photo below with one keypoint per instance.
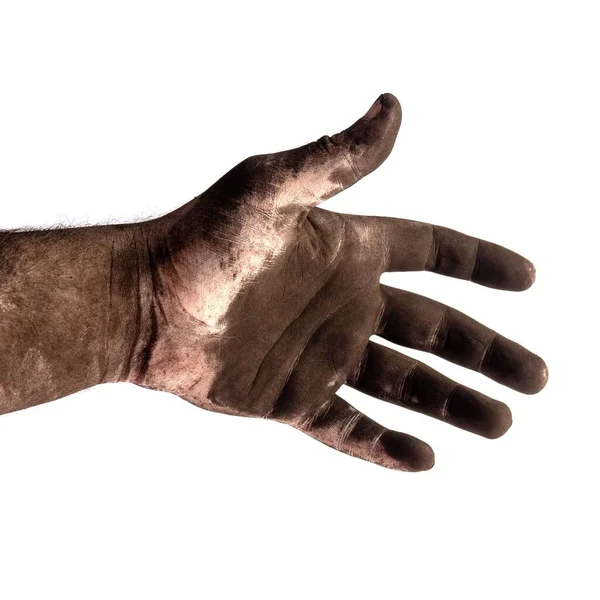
x,y
264,303
313,320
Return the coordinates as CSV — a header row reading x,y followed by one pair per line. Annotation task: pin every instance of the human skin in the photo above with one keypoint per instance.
x,y
250,300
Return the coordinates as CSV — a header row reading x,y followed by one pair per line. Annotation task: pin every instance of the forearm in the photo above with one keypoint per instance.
x,y
72,305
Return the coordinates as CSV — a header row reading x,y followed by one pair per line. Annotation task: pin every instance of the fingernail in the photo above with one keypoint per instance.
x,y
375,108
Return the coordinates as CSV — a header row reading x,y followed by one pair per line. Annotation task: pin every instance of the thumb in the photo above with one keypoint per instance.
x,y
328,166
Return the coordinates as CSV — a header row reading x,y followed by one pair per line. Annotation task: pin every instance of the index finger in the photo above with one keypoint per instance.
x,y
415,246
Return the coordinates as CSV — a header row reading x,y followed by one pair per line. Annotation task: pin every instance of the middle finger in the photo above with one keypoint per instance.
x,y
418,322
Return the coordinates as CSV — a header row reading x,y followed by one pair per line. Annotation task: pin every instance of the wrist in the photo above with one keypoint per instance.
x,y
131,296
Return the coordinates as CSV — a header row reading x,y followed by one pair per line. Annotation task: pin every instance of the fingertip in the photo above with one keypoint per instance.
x,y
501,268
427,460
391,103
500,422
478,414
390,113
513,365
408,453
524,277
536,377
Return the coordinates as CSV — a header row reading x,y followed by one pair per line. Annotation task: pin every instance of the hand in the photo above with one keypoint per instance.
x,y
262,304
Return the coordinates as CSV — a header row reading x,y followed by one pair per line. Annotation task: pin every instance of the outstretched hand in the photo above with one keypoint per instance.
x,y
263,304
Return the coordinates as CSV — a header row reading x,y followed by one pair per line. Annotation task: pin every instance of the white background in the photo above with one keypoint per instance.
x,y
118,111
